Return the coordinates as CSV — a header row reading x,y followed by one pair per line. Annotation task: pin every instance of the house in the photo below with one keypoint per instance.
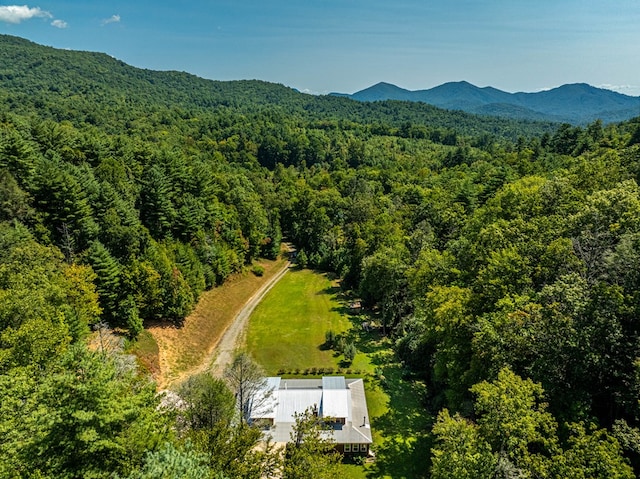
x,y
341,401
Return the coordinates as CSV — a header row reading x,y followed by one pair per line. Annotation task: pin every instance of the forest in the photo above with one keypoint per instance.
x,y
502,257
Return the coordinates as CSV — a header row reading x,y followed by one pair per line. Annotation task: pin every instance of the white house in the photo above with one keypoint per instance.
x,y
341,401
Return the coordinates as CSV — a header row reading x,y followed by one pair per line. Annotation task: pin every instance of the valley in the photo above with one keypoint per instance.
x,y
480,273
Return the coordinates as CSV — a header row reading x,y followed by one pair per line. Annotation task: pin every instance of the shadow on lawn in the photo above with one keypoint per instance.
x,y
331,290
405,427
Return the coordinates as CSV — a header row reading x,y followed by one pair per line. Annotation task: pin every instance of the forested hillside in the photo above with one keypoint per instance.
x,y
67,85
500,256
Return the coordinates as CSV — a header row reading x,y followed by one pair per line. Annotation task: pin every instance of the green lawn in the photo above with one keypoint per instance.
x,y
287,330
286,333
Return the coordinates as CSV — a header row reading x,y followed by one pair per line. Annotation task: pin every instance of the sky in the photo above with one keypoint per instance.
x,y
322,46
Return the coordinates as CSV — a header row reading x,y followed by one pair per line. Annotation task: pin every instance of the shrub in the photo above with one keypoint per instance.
x,y
314,260
341,345
301,259
350,352
330,338
257,270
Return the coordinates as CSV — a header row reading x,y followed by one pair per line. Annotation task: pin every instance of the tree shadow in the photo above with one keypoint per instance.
x,y
343,310
331,290
344,364
405,426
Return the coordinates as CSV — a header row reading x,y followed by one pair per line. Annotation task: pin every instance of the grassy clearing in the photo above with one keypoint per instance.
x,y
287,332
400,425
352,471
146,350
287,329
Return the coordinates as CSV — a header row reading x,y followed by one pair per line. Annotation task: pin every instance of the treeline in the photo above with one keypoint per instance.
x,y
158,222
94,88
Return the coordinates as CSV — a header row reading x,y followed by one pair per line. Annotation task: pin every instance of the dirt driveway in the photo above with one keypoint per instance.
x,y
234,336
209,336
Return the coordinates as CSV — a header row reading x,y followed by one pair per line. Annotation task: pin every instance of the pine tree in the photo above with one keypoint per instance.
x,y
129,315
156,207
107,271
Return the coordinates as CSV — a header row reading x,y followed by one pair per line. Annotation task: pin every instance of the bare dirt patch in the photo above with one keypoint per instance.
x,y
191,348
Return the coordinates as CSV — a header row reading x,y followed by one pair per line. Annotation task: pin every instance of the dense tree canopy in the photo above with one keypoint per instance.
x,y
501,257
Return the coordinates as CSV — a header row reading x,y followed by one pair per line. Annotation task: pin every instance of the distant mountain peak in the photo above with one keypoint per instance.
x,y
576,103
463,83
385,84
382,91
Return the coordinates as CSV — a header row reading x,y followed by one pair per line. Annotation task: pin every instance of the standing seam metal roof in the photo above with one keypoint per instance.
x,y
333,396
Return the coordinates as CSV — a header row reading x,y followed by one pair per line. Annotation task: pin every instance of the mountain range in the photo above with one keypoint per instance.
x,y
51,82
31,74
577,103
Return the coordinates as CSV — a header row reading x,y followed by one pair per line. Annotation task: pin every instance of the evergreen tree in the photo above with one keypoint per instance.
x,y
156,206
14,201
169,462
108,273
83,416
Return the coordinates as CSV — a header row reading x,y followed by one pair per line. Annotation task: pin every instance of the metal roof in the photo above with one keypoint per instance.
x,y
336,403
333,396
273,383
265,403
333,382
292,401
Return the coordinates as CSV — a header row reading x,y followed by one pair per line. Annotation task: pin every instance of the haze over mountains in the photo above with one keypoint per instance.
x,y
577,103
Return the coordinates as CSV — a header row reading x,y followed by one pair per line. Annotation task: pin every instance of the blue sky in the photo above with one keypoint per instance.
x,y
347,45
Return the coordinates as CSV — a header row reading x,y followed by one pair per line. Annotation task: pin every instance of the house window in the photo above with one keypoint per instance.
x,y
363,448
347,448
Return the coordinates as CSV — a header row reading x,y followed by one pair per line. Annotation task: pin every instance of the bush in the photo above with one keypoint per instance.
x,y
257,270
301,259
330,338
350,352
315,260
